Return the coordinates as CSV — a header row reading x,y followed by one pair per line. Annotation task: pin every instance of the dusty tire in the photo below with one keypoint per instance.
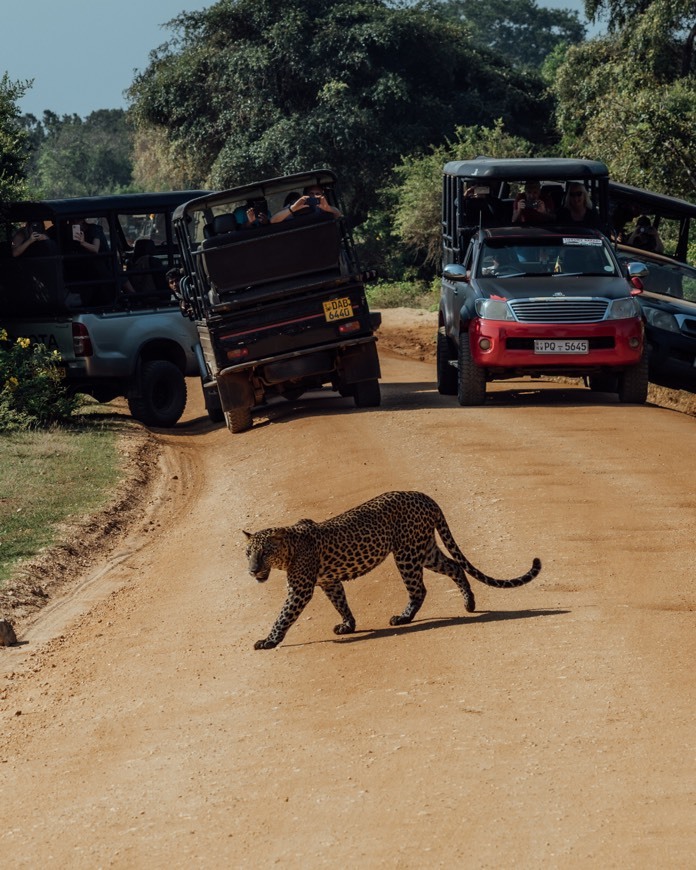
x,y
603,383
239,419
213,405
633,383
161,399
366,394
471,380
446,372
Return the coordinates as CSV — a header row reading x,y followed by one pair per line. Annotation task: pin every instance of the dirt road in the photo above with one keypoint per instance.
x,y
552,728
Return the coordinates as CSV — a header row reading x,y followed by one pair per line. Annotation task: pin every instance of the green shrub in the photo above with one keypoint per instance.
x,y
32,392
404,294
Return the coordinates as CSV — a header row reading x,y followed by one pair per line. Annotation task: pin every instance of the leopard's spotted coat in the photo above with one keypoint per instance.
x,y
328,553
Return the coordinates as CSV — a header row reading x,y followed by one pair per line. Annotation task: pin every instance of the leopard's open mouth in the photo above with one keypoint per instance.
x,y
261,576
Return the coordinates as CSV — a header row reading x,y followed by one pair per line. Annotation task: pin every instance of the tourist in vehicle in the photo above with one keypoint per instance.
x,y
26,236
646,237
253,214
313,200
577,209
529,207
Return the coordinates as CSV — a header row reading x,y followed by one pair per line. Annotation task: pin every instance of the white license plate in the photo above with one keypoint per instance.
x,y
561,345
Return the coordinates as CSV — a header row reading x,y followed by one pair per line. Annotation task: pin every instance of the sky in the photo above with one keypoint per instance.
x,y
82,54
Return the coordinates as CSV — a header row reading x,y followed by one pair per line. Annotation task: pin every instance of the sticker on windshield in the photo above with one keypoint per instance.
x,y
595,243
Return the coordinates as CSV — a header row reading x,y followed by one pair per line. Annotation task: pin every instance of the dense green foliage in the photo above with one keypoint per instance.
x,y
32,392
257,88
12,141
519,30
75,157
630,97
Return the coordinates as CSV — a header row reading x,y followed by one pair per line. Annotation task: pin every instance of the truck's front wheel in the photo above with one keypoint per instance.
x,y
471,382
159,398
633,383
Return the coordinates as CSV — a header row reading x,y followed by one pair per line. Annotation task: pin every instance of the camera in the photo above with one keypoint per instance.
x,y
312,201
36,227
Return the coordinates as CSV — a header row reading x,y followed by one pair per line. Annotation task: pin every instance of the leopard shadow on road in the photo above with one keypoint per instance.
x,y
434,623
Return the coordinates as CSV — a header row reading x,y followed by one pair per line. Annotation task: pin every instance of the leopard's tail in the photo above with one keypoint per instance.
x,y
445,534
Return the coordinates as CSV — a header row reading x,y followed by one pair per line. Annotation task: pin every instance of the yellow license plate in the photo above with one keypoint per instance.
x,y
337,309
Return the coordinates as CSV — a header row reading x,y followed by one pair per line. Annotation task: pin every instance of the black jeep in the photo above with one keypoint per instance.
x,y
279,305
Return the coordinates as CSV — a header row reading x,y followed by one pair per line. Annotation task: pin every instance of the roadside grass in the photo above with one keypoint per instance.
x,y
46,477
404,294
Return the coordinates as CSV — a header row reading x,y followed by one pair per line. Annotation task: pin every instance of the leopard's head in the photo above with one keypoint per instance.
x,y
266,549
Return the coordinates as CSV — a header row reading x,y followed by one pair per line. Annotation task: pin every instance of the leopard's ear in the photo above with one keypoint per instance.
x,y
248,534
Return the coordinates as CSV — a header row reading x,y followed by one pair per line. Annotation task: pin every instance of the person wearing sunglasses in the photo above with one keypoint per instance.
x,y
577,209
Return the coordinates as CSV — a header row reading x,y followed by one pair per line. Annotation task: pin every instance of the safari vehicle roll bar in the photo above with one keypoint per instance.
x,y
627,202
502,178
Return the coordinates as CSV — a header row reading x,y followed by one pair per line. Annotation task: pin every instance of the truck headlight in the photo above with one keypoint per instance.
x,y
661,319
493,309
622,309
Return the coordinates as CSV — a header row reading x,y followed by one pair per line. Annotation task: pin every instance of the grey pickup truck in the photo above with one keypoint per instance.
x,y
87,277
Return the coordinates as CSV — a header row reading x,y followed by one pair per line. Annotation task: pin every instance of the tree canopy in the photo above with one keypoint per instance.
x,y
519,30
256,88
12,140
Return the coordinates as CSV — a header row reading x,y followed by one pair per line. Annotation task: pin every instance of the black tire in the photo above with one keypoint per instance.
x,y
161,399
239,419
603,383
633,383
366,394
471,379
213,405
446,372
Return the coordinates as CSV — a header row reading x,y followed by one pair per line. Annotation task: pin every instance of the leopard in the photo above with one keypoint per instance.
x,y
329,553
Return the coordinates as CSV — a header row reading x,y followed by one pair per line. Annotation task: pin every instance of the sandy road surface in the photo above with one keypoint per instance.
x,y
552,728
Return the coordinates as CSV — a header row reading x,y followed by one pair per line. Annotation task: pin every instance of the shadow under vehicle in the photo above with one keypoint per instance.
x,y
280,308
110,315
534,300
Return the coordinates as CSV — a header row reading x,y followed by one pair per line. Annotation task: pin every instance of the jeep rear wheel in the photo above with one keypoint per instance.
x,y
366,394
239,419
471,381
446,371
159,398
633,383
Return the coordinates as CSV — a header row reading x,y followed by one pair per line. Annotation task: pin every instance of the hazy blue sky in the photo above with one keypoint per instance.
x,y
83,54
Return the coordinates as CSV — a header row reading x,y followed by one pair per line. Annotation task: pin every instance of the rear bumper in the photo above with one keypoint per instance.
x,y
614,343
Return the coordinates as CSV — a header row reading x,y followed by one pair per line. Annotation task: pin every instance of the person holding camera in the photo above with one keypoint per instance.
x,y
253,214
646,237
529,206
312,201
26,236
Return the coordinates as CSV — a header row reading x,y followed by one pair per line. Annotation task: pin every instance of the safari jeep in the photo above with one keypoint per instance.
x,y
280,308
519,299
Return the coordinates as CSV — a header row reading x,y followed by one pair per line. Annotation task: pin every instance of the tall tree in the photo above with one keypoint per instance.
x,y
254,88
76,157
624,98
13,140
520,30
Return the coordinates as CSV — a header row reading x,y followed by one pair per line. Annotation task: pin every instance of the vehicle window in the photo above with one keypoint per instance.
x,y
670,279
582,256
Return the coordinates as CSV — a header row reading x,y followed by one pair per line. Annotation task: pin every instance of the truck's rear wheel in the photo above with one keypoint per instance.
x,y
159,398
366,394
239,419
471,381
633,383
446,372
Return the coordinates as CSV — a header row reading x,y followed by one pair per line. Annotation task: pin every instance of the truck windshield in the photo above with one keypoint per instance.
x,y
508,258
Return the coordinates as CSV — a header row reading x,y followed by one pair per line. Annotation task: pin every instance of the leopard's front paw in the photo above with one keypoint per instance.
x,y
470,603
265,644
400,620
344,628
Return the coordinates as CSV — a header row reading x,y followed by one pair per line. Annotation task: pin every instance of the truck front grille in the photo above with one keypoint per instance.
x,y
559,310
